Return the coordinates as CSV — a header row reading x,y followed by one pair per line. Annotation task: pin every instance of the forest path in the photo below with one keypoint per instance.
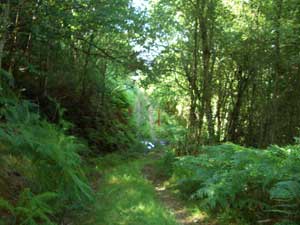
x,y
132,192
165,195
125,196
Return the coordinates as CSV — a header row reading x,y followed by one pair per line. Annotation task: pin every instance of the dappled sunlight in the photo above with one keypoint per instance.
x,y
128,199
149,112
176,207
160,188
121,179
114,180
147,209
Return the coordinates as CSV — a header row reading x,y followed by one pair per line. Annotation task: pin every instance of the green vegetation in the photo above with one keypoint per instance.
x,y
89,89
257,185
126,197
41,165
229,69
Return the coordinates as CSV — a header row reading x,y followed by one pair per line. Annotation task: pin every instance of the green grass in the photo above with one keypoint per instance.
x,y
125,197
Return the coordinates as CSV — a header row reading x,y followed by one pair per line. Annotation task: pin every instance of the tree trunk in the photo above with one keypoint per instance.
x,y
5,7
207,30
85,68
103,74
250,138
277,73
233,134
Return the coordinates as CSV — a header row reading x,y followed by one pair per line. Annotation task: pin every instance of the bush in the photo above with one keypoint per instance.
x,y
164,167
168,163
30,209
47,158
260,184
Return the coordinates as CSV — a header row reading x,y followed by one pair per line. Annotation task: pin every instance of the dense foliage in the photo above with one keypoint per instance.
x,y
260,185
78,55
64,95
83,78
41,167
231,68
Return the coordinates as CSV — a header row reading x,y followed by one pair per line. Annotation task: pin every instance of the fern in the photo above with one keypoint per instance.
x,y
33,209
5,205
256,182
53,163
286,190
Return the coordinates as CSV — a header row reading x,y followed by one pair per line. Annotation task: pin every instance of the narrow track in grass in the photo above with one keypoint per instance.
x,y
132,193
169,200
125,197
177,207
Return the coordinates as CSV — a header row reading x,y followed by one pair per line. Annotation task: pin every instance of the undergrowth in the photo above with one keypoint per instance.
x,y
259,186
41,167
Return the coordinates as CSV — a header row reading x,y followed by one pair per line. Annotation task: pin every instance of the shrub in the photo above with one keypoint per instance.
x,y
51,163
30,209
261,184
168,163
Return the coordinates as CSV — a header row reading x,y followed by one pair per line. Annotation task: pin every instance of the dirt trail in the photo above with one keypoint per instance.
x,y
176,207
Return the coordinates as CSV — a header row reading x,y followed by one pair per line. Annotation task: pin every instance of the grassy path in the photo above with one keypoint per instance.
x,y
178,209
125,197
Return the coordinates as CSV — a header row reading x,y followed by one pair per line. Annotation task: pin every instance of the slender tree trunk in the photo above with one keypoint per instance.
x,y
103,91
195,75
277,72
233,134
158,117
195,123
219,113
250,138
207,29
85,69
192,109
5,9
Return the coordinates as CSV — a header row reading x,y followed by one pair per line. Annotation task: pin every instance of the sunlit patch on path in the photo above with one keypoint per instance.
x,y
125,197
176,207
